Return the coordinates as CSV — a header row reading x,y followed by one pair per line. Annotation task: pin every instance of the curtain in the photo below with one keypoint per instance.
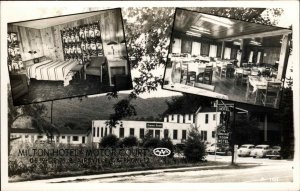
x,y
213,51
258,57
176,46
250,57
227,53
196,47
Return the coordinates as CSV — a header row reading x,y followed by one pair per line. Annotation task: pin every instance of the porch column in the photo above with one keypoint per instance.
x,y
266,128
284,56
223,50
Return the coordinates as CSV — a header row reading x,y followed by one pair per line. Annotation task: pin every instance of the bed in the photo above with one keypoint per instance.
x,y
53,70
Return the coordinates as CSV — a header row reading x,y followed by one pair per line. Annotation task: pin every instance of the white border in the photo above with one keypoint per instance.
x,y
11,12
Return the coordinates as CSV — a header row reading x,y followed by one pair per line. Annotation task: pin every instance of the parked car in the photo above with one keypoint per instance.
x,y
245,150
259,151
211,148
274,152
223,150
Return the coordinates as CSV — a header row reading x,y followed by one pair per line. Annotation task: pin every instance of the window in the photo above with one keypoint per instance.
x,y
151,132
110,130
101,131
186,46
174,134
184,119
68,139
213,134
176,46
184,134
196,46
178,117
190,116
204,135
167,118
227,53
131,131
97,131
214,117
157,133
121,133
75,138
213,51
166,133
172,117
142,133
194,117
206,118
105,132
83,139
40,136
57,139
63,137
94,132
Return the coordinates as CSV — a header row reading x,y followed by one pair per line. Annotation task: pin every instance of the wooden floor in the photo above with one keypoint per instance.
x,y
44,90
227,86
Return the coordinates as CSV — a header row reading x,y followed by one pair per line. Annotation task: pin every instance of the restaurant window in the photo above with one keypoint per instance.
x,y
97,131
227,53
166,133
131,131
219,51
196,47
121,133
183,134
206,118
213,134
142,133
157,133
94,132
75,138
176,46
174,134
203,135
213,51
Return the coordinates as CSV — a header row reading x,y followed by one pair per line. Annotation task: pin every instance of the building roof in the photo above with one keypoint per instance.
x,y
73,131
21,130
207,109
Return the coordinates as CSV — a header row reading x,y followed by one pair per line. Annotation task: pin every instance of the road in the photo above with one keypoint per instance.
x,y
265,170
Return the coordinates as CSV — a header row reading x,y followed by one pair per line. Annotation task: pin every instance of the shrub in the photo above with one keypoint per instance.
x,y
130,141
151,142
194,150
109,141
167,143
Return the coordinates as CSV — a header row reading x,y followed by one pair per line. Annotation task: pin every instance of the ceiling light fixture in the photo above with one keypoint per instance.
x,y
200,28
196,30
193,33
217,22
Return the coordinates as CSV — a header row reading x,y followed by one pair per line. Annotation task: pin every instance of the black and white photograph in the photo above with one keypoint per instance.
x,y
67,56
227,59
174,129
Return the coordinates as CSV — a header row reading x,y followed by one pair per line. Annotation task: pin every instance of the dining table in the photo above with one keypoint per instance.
x,y
258,83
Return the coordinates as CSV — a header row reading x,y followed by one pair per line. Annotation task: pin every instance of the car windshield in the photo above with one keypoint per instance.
x,y
259,147
244,147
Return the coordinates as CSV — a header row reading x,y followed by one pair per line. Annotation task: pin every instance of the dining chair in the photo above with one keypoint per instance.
x,y
207,76
270,95
246,73
191,78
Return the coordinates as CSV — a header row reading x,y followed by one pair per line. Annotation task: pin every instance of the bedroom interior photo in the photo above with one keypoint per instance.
x,y
67,56
227,59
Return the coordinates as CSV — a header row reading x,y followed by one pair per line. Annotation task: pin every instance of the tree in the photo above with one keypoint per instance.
x,y
167,143
194,150
130,141
110,140
148,36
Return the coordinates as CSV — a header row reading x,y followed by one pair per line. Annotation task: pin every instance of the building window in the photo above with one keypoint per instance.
x,y
121,133
32,138
184,119
105,132
142,133
94,132
166,133
131,131
184,134
172,117
167,118
57,139
206,118
190,116
63,137
151,132
68,139
97,131
194,117
204,135
83,139
40,136
174,134
157,133
213,134
101,131
178,118
214,117
75,138
110,130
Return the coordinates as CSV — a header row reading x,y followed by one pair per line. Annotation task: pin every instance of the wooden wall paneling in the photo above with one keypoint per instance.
x,y
272,55
25,43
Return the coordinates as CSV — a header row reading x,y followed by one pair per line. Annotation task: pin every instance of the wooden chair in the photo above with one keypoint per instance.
x,y
191,77
270,95
207,76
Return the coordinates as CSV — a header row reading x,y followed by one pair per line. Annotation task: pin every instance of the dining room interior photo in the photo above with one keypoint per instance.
x,y
227,58
67,56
